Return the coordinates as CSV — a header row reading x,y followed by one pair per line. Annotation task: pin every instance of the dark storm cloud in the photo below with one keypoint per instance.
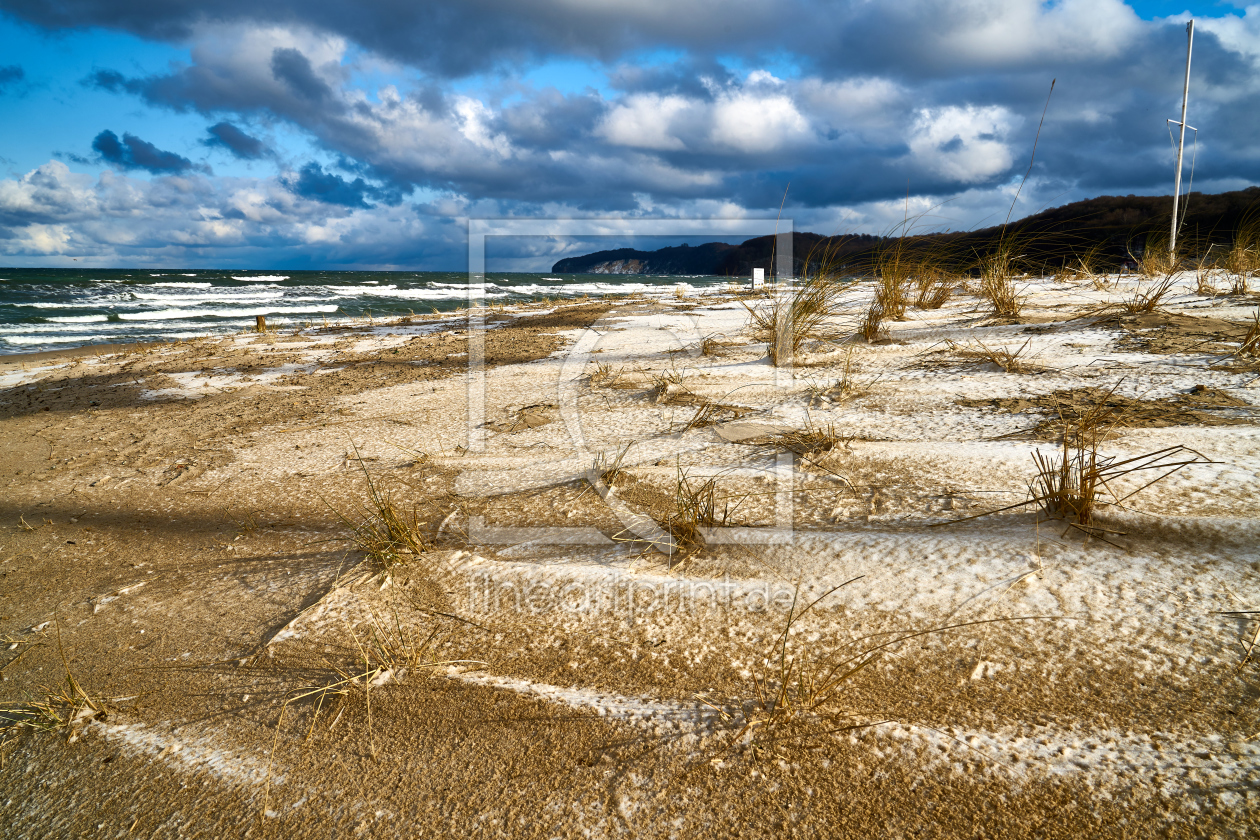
x,y
943,96
10,76
455,38
133,153
227,136
294,69
314,183
690,77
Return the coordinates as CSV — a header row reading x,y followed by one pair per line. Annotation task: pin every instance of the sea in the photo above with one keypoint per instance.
x,y
53,309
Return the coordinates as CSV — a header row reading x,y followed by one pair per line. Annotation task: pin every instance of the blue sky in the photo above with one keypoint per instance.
x,y
275,133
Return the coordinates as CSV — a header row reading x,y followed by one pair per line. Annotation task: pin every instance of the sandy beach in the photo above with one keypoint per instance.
x,y
559,657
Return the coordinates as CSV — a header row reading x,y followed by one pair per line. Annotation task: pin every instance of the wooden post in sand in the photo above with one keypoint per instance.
x,y
260,323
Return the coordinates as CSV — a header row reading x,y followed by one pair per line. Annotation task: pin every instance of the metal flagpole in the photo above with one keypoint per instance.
x,y
1181,146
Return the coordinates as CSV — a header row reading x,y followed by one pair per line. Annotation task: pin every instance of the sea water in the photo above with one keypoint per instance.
x,y
53,309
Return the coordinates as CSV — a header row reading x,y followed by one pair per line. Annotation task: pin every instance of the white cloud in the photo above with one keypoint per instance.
x,y
964,144
645,121
116,219
754,123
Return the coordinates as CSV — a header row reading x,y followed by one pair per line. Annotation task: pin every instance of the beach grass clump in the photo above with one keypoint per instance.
x,y
802,695
611,471
62,708
383,530
1075,483
1251,339
1148,299
844,388
1155,260
713,345
997,280
65,707
604,376
697,506
1242,261
934,287
798,312
1070,486
795,698
1010,361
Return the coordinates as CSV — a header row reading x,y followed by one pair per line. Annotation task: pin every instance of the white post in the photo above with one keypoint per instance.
x,y
1181,146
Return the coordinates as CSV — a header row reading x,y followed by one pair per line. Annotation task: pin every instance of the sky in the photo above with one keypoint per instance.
x,y
364,135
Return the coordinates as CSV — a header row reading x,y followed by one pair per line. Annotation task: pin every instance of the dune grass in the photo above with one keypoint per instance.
x,y
797,313
998,270
1010,361
1148,299
1074,484
697,506
382,530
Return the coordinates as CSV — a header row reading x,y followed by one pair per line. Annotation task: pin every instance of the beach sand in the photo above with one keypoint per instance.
x,y
175,536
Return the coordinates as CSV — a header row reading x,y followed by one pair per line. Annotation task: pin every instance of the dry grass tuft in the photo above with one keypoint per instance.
x,y
385,654
1072,485
845,388
65,707
1156,260
800,699
1084,268
797,313
385,533
712,345
1149,300
795,700
892,289
1011,361
997,281
812,445
610,472
1242,260
1251,340
811,441
934,288
667,384
696,507
872,328
604,376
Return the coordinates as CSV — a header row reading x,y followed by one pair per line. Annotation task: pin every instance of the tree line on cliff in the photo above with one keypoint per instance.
x,y
1113,229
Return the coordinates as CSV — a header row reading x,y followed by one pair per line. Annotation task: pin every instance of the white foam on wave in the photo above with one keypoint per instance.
x,y
455,293
79,319
175,314
230,295
173,284
81,339
263,278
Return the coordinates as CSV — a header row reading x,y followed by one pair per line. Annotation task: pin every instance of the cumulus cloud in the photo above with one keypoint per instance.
x,y
182,219
848,101
133,153
962,144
